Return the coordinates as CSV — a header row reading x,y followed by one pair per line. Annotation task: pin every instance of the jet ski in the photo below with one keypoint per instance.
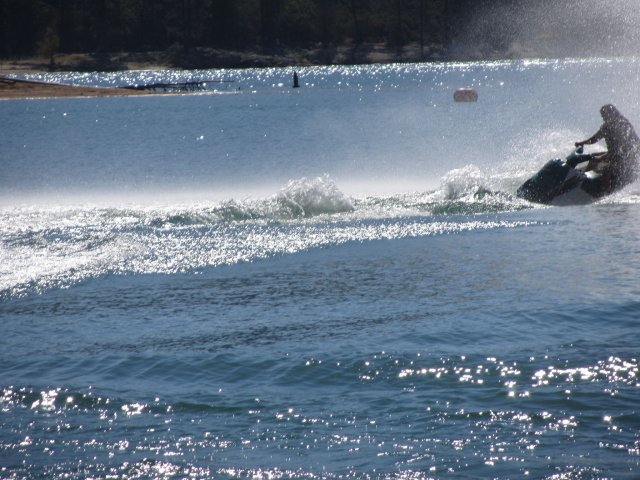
x,y
565,181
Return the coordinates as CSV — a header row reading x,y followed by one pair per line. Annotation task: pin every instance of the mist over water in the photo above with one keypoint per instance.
x,y
559,29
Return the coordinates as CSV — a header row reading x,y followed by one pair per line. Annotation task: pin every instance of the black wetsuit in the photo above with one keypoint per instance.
x,y
623,148
618,167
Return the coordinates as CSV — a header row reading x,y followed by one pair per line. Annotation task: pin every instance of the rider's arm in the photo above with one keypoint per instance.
x,y
599,135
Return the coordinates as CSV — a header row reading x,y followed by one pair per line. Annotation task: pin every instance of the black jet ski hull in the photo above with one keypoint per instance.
x,y
557,178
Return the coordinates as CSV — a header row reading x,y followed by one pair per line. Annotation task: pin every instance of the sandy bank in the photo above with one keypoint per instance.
x,y
12,88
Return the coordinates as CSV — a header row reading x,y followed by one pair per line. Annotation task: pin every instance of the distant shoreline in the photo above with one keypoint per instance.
x,y
196,58
209,58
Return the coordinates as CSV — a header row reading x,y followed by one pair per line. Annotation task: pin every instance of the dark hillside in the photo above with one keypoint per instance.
x,y
199,32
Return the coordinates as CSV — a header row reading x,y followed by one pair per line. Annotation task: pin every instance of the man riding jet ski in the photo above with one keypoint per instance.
x,y
604,173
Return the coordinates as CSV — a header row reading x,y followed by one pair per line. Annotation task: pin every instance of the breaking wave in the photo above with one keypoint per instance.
x,y
53,247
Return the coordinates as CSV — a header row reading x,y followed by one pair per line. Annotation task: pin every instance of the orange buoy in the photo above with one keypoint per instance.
x,y
465,94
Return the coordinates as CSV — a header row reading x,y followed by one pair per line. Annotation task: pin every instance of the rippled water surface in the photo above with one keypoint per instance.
x,y
330,282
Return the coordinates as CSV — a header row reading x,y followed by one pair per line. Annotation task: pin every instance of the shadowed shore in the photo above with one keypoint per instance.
x,y
207,58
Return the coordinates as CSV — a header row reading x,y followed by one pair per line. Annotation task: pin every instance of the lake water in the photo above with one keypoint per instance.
x,y
329,282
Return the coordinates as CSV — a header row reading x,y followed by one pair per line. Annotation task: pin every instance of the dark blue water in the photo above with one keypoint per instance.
x,y
313,332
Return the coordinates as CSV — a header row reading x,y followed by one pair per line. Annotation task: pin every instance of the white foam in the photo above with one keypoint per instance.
x,y
462,182
309,197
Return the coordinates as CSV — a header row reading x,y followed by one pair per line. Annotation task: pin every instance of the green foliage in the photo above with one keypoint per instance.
x,y
50,44
28,27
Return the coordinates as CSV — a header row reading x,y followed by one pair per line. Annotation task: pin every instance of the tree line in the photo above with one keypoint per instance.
x,y
45,27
